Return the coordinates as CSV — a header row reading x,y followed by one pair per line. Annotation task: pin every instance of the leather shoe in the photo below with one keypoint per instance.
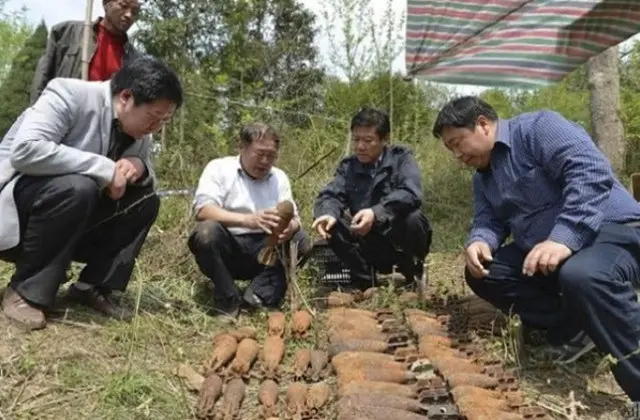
x,y
22,312
101,301
228,308
252,300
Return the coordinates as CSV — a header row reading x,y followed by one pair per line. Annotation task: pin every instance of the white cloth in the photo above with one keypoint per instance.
x,y
224,183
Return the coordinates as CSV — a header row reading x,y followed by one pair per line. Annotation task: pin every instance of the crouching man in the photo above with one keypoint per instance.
x,y
69,168
381,189
234,207
574,261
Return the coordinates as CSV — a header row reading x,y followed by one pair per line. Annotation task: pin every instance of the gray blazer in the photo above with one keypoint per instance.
x,y
67,130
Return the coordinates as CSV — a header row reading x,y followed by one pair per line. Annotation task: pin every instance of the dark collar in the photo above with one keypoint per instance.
x,y
96,29
383,161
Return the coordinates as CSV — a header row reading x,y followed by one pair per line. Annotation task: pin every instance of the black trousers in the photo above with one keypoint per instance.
x,y
223,257
592,291
68,218
405,245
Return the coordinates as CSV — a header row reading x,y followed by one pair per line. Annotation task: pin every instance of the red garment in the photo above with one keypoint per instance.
x,y
108,55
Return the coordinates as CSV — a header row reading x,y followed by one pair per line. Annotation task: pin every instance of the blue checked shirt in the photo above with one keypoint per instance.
x,y
547,180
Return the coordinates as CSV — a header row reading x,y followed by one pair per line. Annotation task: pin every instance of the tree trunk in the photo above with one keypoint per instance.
x,y
604,87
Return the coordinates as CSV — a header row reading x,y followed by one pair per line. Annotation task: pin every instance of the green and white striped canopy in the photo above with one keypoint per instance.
x,y
512,43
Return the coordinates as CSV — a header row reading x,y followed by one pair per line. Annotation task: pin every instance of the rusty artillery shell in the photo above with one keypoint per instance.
x,y
276,324
210,391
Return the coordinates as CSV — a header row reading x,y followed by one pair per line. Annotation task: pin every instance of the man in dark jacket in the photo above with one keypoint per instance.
x,y
109,46
380,188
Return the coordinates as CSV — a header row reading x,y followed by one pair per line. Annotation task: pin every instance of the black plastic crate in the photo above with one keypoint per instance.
x,y
331,270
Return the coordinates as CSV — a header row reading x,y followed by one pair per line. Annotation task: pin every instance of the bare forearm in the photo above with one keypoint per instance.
x,y
222,216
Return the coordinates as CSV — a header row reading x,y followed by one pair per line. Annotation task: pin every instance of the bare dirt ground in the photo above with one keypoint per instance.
x,y
83,366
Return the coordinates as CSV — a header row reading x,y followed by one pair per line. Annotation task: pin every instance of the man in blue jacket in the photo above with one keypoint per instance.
x,y
370,212
575,255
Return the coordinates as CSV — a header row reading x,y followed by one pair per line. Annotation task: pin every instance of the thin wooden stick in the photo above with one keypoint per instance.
x,y
293,278
85,40
574,406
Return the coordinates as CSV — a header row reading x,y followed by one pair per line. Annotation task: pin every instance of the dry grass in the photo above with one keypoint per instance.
x,y
83,366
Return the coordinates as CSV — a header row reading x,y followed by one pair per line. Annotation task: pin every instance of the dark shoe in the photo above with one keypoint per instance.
x,y
227,307
252,300
100,301
412,274
577,347
22,312
360,282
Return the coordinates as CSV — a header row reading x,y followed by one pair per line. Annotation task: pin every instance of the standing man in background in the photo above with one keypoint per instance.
x,y
109,46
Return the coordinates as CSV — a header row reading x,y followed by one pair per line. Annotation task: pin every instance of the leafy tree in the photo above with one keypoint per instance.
x,y
14,31
501,101
256,52
14,92
360,46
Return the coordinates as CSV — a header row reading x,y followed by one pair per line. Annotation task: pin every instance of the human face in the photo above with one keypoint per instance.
x,y
471,147
259,157
121,14
140,120
367,144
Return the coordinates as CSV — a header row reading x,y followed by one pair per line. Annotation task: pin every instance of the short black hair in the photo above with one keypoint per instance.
x,y
258,130
149,79
372,117
463,112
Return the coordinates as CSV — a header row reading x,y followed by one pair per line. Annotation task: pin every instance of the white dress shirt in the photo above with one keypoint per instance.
x,y
225,184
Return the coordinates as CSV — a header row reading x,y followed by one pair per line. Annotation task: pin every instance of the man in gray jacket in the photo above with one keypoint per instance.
x,y
109,46
76,184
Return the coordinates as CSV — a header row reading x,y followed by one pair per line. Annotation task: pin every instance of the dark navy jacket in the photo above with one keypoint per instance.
x,y
392,188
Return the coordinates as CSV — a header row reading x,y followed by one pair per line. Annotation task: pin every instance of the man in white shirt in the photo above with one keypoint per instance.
x,y
235,208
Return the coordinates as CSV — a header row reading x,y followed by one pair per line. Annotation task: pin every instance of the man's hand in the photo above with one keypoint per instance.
x,y
323,225
288,232
545,257
115,190
265,220
131,167
477,253
362,222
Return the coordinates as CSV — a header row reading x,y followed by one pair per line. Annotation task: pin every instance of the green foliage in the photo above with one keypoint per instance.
x,y
500,101
570,97
361,47
630,98
14,31
407,103
573,104
250,51
14,92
